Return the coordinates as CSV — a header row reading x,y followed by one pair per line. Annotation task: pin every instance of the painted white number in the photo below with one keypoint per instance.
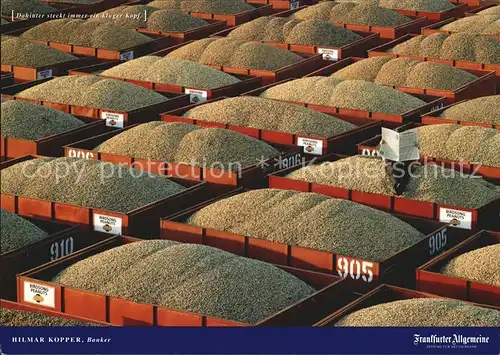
x,y
79,154
437,242
366,268
62,248
370,152
441,105
355,269
343,267
288,162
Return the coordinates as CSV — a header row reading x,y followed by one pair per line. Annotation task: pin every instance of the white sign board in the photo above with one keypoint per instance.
x,y
38,294
196,96
107,224
115,120
457,218
311,146
329,54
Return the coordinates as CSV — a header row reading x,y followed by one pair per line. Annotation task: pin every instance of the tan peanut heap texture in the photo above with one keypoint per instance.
x,y
89,183
188,277
431,183
18,318
405,72
185,143
25,120
422,312
87,34
93,91
484,109
235,53
166,70
259,113
479,265
25,53
350,94
309,220
18,232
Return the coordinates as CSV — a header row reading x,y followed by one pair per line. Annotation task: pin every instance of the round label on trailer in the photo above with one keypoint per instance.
x,y
294,5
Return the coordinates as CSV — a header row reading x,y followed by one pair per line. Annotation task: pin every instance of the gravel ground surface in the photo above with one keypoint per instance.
x,y
24,120
309,220
18,232
422,312
189,277
320,11
89,183
479,265
366,69
271,115
362,13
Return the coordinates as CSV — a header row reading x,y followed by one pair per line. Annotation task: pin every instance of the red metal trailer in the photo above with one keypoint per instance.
x,y
430,279
332,293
